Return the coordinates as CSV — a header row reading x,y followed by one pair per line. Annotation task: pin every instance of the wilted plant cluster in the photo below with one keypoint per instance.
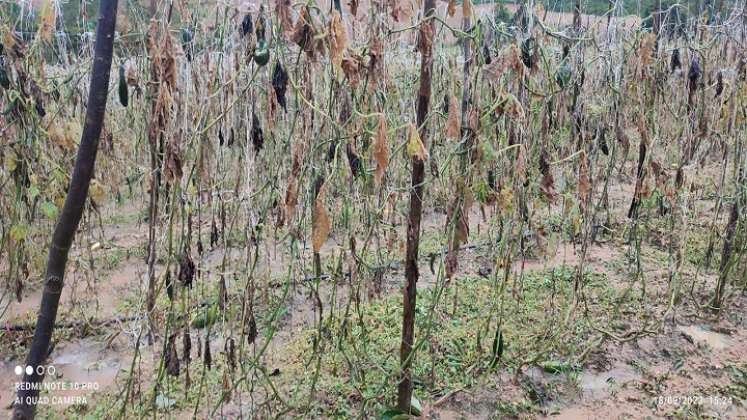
x,y
292,157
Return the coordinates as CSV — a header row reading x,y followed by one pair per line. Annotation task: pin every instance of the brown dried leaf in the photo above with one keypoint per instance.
x,y
452,120
452,7
350,66
283,10
466,8
643,130
338,39
425,37
381,150
415,146
584,184
320,223
547,187
375,63
305,35
353,7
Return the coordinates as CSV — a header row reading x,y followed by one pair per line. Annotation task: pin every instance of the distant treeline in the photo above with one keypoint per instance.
x,y
73,23
643,8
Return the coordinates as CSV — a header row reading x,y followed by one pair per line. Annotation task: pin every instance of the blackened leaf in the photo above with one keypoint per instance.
x,y
251,329
187,344
186,270
258,139
4,79
527,52
208,357
280,83
602,140
246,25
123,92
354,160
694,73
169,285
172,358
675,62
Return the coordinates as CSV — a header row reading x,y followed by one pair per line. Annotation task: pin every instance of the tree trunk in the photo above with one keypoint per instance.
x,y
72,211
404,394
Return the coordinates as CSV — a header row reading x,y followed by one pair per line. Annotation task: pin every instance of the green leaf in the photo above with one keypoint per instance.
x,y
19,232
205,318
49,210
394,415
164,402
415,408
33,192
556,366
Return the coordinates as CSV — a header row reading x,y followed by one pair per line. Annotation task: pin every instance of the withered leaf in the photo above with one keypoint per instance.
x,y
353,159
452,120
207,356
425,37
247,26
186,269
187,346
172,357
283,11
320,223
258,138
548,183
350,66
584,183
381,150
280,83
353,7
415,147
251,328
338,39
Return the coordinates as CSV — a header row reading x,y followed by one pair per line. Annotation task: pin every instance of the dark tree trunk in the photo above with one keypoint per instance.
x,y
72,211
404,392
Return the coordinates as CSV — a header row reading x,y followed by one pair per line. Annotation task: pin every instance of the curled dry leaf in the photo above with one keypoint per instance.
x,y
452,120
350,66
520,166
305,35
338,39
547,187
48,17
451,10
415,147
375,63
172,357
643,130
425,37
283,11
466,8
353,7
320,223
258,138
584,183
291,192
394,9
381,150
173,160
280,83
511,107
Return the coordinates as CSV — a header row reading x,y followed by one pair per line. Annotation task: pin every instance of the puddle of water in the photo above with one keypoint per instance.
x,y
700,335
81,369
596,385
